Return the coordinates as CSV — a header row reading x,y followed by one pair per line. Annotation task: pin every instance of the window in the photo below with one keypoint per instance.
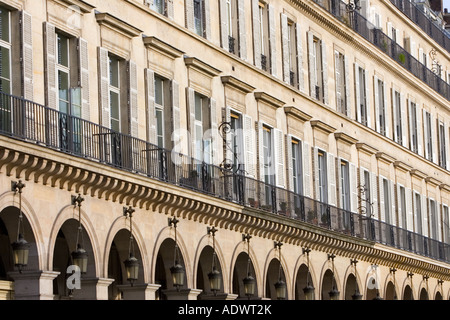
x,y
5,68
414,140
322,177
434,217
297,167
381,107
402,207
114,93
263,28
232,25
199,19
428,132
341,99
345,185
361,95
442,146
397,113
367,193
292,63
387,201
160,107
446,220
237,141
267,155
203,143
5,51
158,5
418,212
317,68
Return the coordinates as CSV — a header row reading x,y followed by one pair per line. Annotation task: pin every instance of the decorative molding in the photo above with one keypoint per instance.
x,y
83,5
297,113
417,173
433,181
162,47
237,84
341,136
116,24
361,146
320,125
385,157
402,166
271,100
202,67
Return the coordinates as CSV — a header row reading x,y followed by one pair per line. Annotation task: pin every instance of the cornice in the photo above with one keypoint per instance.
x,y
322,126
402,166
297,113
385,157
154,43
271,100
364,147
237,84
82,5
341,136
194,63
433,181
105,19
417,173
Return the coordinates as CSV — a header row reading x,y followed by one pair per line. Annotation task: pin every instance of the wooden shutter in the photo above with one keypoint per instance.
x,y
367,100
393,202
434,139
404,120
316,172
377,103
447,144
409,210
419,130
383,212
385,111
394,114
424,202
353,188
83,56
175,90
133,99
189,15
285,46
242,30
339,78
290,168
26,35
272,39
256,33
306,169
249,138
50,66
190,95
311,62
374,195
331,175
324,71
279,157
346,79
207,17
214,131
400,208
301,80
151,111
425,134
260,142
223,11
228,146
103,64
170,12
357,93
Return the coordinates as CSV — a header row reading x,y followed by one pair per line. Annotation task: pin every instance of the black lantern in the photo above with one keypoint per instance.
x,y
20,247
280,285
334,293
356,295
309,289
79,256
132,263
215,277
249,280
177,270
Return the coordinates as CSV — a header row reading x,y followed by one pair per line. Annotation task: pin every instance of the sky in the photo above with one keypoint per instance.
x,y
446,4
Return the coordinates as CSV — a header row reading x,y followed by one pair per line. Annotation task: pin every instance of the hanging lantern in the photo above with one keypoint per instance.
x,y
177,272
132,269
215,280
249,285
334,294
280,289
309,292
80,258
21,250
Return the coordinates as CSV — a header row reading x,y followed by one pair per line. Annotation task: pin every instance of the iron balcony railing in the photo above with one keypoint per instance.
x,y
31,122
368,31
418,16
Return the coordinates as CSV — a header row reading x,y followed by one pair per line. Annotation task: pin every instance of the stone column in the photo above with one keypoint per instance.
x,y
93,289
182,294
144,291
33,285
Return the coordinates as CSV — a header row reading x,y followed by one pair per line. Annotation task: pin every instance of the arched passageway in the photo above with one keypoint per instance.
x,y
243,269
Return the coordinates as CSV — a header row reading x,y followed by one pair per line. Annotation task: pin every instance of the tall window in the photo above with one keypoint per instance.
x,y
345,186
397,111
159,6
402,207
264,35
442,146
361,95
367,193
341,100
292,53
434,220
418,213
269,177
297,166
322,176
160,107
232,25
428,136
382,107
387,201
317,69
5,51
199,17
446,220
237,141
114,93
203,147
414,141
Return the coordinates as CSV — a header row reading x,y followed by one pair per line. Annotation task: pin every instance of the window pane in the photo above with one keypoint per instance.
x,y
4,25
198,17
5,71
115,111
63,88
198,107
160,127
114,72
159,93
63,50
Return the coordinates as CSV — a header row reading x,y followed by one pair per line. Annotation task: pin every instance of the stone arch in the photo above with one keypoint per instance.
x,y
390,287
68,213
326,280
273,255
123,223
407,289
205,242
302,264
10,200
238,253
352,282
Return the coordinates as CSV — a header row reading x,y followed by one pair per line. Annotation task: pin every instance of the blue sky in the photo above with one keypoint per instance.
x,y
446,4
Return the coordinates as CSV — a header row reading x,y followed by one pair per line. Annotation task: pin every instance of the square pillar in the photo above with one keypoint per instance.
x,y
33,285
93,289
182,294
144,291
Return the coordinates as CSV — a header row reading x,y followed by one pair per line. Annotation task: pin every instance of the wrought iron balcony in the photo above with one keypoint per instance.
x,y
368,31
31,122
